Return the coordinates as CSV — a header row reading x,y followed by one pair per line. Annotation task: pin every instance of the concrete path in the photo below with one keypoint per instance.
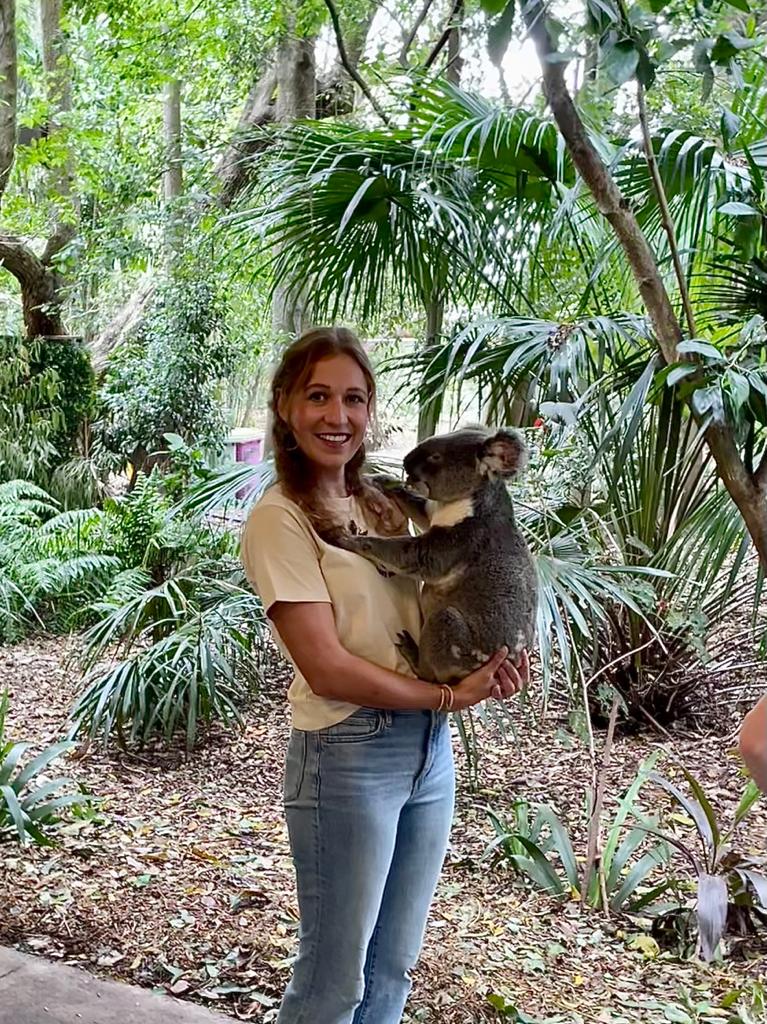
x,y
34,991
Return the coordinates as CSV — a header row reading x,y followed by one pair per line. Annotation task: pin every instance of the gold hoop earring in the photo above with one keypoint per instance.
x,y
291,448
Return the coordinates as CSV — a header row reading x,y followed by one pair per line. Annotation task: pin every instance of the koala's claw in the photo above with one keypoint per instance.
x,y
408,648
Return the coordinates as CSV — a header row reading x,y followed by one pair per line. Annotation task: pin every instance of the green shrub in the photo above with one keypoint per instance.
x,y
30,804
52,564
184,652
540,848
165,378
731,888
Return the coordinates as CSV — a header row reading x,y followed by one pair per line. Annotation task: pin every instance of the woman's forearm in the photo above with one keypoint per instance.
x,y
347,677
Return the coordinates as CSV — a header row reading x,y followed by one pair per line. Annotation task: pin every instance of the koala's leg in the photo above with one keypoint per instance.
x,y
448,650
408,648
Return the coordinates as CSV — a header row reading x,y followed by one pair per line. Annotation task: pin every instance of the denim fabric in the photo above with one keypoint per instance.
x,y
369,804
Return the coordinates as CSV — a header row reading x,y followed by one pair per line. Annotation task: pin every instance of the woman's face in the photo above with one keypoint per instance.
x,y
330,414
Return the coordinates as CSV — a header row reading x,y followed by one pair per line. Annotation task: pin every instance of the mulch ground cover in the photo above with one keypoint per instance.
x,y
183,880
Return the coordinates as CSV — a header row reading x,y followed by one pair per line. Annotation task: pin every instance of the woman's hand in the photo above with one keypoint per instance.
x,y
498,677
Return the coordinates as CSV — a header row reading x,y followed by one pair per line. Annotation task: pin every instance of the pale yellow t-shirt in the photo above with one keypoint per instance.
x,y
286,560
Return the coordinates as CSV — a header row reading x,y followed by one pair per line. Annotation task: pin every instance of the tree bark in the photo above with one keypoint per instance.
x,y
428,415
232,170
173,174
40,296
454,59
296,98
748,492
8,87
59,90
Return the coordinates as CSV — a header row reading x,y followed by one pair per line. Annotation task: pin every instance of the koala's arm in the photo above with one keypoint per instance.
x,y
411,504
428,557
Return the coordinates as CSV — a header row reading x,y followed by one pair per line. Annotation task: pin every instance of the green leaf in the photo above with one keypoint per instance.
x,y
737,209
739,389
728,45
730,125
499,34
750,795
620,61
14,809
678,373
493,7
740,5
701,348
704,802
41,761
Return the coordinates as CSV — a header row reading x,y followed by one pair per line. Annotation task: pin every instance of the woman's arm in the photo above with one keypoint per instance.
x,y
308,630
753,743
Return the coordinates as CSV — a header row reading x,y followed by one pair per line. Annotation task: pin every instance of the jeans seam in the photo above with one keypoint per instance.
x,y
317,845
370,975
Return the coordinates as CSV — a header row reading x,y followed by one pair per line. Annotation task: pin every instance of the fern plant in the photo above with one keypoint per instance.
x,y
50,562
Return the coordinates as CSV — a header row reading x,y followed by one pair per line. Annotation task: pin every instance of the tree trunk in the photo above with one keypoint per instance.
x,y
428,415
173,175
40,297
749,492
454,59
172,178
258,111
59,91
296,98
7,89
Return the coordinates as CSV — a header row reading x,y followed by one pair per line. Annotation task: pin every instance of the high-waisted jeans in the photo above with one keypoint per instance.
x,y
369,804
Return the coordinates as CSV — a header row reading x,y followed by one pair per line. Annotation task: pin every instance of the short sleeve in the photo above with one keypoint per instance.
x,y
280,558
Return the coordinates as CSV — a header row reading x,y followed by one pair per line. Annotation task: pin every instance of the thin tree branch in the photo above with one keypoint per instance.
x,y
445,37
665,213
349,67
414,32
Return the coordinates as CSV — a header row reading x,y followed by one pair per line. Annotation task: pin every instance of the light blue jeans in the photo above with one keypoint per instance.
x,y
369,803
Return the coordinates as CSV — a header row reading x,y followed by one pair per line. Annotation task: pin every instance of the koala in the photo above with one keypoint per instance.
x,y
480,588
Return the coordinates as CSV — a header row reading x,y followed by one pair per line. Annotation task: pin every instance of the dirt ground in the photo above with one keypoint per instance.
x,y
184,879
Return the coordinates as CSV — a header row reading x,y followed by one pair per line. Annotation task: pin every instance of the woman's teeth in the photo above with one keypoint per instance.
x,y
334,438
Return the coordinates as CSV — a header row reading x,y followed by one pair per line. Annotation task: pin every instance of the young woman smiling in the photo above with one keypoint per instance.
x,y
369,780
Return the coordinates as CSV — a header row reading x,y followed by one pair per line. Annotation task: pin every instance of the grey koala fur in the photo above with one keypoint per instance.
x,y
480,584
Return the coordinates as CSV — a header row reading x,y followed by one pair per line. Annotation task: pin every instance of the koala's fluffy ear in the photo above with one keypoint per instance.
x,y
503,454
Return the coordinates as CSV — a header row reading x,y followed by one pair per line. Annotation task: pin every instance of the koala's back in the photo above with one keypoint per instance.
x,y
493,589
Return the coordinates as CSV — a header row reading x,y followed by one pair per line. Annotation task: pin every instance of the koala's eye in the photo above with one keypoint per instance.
x,y
434,458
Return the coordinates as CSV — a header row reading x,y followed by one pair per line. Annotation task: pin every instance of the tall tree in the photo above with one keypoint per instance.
x,y
39,277
748,489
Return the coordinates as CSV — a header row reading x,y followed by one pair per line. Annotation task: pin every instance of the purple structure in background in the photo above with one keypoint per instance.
x,y
245,445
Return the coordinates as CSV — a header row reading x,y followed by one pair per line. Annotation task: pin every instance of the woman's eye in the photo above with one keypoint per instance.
x,y
316,396
356,399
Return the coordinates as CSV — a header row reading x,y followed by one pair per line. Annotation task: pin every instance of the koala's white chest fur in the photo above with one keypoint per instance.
x,y
448,513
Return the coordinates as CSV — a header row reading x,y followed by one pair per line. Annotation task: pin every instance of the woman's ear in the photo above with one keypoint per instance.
x,y
283,407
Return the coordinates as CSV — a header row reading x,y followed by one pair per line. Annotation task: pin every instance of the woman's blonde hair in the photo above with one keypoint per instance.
x,y
293,468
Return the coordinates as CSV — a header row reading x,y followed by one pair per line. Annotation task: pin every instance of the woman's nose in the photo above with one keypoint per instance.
x,y
335,412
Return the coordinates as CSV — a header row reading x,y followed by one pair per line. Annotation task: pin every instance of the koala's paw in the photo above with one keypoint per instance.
x,y
408,648
384,482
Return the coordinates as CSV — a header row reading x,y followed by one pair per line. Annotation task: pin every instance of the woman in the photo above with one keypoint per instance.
x,y
752,743
369,775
